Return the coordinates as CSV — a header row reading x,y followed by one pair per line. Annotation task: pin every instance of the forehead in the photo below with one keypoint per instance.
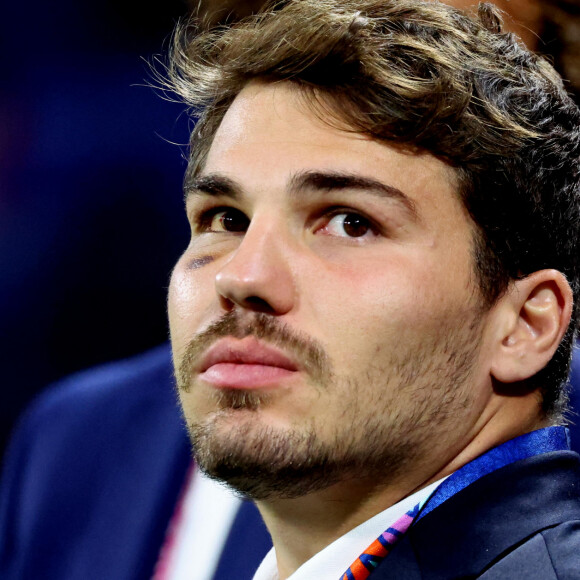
x,y
283,116
270,133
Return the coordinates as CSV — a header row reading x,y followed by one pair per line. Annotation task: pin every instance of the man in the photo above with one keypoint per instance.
x,y
373,320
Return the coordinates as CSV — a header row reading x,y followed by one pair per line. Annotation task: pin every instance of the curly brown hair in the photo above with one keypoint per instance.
x,y
425,77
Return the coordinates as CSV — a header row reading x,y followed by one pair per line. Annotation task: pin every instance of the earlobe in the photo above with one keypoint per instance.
x,y
533,317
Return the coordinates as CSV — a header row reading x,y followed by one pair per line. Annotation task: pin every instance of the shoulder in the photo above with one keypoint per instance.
x,y
106,393
95,464
552,554
519,521
90,413
150,371
523,520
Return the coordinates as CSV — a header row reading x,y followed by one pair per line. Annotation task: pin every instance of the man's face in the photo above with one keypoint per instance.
x,y
325,319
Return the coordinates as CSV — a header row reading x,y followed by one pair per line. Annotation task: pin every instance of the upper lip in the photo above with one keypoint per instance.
x,y
245,351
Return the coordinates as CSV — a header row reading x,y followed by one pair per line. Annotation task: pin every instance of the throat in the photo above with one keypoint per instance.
x,y
303,527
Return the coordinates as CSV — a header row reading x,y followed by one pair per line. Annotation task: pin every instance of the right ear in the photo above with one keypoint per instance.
x,y
537,311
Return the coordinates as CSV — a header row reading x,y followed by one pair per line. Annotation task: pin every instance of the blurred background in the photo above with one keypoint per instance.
x,y
89,189
91,163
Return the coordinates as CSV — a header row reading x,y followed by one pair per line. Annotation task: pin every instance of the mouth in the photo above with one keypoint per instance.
x,y
245,364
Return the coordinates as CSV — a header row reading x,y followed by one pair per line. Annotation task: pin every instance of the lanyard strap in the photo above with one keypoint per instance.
x,y
362,567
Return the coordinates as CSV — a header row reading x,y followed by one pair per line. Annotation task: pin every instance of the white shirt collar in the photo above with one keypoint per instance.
x,y
332,562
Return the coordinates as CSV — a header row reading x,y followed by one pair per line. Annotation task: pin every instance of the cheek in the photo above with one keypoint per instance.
x,y
393,288
188,302
378,309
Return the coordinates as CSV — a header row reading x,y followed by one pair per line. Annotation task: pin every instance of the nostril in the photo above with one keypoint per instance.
x,y
259,304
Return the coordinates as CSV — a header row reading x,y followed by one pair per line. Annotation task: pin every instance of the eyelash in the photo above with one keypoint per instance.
x,y
330,213
202,221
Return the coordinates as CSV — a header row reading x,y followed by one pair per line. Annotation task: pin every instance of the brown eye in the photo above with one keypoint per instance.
x,y
229,220
351,225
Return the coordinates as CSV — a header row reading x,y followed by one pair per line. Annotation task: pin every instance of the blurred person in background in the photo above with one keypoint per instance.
x,y
82,197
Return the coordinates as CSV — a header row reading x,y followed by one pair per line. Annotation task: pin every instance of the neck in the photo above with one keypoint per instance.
x,y
303,526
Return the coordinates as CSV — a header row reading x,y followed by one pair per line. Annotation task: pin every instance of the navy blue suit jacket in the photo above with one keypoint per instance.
x,y
92,477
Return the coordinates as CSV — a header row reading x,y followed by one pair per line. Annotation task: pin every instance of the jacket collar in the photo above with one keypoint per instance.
x,y
474,527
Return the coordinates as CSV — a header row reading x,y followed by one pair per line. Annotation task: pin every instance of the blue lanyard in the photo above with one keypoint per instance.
x,y
522,447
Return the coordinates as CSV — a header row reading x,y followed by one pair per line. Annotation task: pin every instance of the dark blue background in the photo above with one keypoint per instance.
x,y
90,189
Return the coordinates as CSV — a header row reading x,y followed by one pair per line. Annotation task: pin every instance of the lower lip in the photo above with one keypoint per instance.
x,y
244,376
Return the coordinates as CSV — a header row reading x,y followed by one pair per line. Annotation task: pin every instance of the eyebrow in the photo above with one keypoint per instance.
x,y
212,185
336,181
300,183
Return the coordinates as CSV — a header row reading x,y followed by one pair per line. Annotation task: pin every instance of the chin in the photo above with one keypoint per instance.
x,y
262,461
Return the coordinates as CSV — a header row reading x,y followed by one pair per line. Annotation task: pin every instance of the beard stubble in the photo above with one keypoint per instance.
x,y
382,420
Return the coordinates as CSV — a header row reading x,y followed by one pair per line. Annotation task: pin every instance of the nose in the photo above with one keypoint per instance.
x,y
258,276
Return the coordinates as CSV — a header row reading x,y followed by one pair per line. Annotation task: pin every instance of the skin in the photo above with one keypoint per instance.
x,y
399,298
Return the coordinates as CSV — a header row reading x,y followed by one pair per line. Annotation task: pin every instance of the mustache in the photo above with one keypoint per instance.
x,y
310,354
